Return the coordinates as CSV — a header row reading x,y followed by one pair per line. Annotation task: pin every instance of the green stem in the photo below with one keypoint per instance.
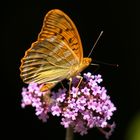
x,y
69,134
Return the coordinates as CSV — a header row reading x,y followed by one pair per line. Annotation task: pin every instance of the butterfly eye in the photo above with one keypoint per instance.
x,y
87,61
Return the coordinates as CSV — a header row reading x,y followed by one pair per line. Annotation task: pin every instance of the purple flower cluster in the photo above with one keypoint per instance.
x,y
34,97
84,106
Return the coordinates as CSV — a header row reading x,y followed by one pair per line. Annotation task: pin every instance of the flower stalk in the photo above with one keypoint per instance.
x,y
69,134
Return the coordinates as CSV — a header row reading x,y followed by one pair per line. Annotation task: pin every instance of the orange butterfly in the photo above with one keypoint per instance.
x,y
56,55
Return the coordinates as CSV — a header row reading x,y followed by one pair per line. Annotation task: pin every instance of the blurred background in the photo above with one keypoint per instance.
x,y
22,23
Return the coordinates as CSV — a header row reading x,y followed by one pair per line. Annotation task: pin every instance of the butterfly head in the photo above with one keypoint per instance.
x,y
85,63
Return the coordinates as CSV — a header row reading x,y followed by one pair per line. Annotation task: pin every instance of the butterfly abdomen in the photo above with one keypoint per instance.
x,y
47,86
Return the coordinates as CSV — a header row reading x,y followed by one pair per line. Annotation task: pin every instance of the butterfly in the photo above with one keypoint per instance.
x,y
56,55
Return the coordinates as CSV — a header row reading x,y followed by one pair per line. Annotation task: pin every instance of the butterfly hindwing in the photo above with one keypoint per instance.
x,y
44,62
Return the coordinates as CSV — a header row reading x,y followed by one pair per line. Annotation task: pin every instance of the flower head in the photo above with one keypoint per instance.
x,y
83,107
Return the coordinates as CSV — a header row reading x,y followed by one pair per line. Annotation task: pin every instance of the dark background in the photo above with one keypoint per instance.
x,y
22,23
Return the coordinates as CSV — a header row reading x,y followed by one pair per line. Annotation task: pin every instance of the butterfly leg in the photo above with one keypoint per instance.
x,y
70,83
81,78
62,85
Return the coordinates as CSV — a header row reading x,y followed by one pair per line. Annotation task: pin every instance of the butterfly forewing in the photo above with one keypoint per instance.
x,y
58,24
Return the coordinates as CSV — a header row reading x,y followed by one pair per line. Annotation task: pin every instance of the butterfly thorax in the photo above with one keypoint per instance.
x,y
75,70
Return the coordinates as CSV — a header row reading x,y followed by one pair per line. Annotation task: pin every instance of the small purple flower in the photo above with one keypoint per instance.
x,y
61,97
75,92
70,114
86,115
81,103
98,78
96,90
92,83
36,102
86,90
43,116
88,76
72,103
80,127
39,111
66,122
32,87
91,104
55,110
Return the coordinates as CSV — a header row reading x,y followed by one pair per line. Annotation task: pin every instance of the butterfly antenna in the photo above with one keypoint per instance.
x,y
104,63
95,43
